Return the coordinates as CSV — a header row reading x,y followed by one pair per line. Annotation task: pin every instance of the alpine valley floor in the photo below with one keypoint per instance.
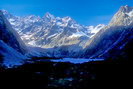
x,y
60,75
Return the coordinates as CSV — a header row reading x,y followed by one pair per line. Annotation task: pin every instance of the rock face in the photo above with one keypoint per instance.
x,y
10,36
11,45
112,39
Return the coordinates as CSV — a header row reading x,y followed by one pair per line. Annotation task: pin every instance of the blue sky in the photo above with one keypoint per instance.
x,y
86,12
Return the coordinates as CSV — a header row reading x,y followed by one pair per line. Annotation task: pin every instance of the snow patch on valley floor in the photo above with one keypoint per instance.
x,y
76,60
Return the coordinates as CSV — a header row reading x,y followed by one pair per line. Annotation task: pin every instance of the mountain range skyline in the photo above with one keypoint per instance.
x,y
85,12
58,37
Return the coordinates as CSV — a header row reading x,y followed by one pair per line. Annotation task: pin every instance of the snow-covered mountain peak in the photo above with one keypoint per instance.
x,y
31,18
123,17
126,9
7,14
49,16
66,19
5,11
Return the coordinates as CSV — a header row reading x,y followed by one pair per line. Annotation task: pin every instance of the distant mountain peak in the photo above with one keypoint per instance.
x,y
67,19
126,9
6,13
49,15
123,17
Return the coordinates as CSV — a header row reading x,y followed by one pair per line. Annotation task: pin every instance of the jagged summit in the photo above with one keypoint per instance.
x,y
49,16
7,14
126,9
4,11
123,17
68,19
